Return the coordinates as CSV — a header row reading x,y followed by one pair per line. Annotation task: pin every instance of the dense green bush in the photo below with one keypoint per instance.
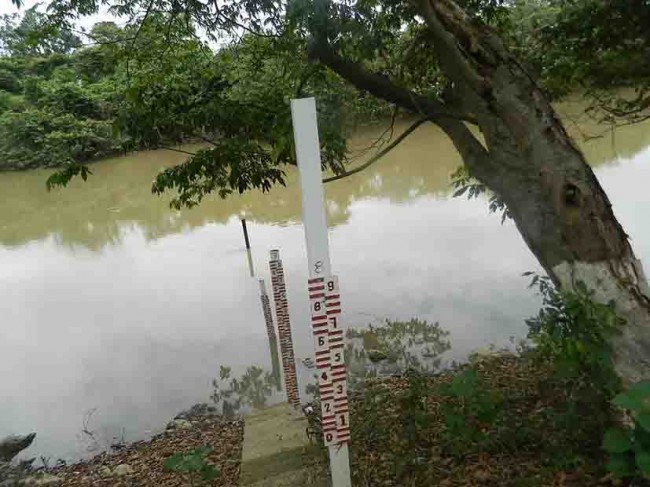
x,y
61,107
38,138
9,81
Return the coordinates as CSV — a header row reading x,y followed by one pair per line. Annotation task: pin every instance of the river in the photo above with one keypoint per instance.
x,y
117,311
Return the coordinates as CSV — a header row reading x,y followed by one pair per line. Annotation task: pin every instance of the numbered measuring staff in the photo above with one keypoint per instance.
x,y
319,323
328,408
325,326
337,358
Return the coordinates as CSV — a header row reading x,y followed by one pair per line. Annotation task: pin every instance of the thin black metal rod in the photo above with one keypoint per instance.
x,y
243,225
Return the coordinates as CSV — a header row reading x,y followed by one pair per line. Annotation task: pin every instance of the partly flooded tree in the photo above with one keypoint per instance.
x,y
449,62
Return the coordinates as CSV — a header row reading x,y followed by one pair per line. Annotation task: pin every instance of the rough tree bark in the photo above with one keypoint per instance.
x,y
528,158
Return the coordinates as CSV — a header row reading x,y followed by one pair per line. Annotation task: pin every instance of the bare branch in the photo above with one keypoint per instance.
x,y
173,149
135,38
381,154
379,141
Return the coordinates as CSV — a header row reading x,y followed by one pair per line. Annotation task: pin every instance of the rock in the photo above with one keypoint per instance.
x,y
105,471
198,411
376,355
482,354
13,445
122,470
180,424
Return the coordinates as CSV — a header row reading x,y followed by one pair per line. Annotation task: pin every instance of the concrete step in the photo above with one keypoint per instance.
x,y
277,452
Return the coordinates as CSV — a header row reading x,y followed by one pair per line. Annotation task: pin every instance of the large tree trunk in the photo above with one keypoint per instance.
x,y
562,211
529,160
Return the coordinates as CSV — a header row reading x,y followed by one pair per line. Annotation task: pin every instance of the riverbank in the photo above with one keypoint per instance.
x,y
501,420
197,441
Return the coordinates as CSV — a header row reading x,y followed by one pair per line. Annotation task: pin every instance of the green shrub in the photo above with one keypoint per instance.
x,y
472,407
193,463
39,138
9,81
629,446
574,333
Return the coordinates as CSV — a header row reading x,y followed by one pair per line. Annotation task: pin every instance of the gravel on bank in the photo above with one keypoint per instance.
x,y
142,463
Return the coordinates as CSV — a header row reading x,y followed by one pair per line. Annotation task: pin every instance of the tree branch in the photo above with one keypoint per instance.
x,y
449,53
380,86
447,118
379,141
378,156
178,150
135,38
474,155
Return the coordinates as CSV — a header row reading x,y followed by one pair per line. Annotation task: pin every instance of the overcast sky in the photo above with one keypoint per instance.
x,y
7,7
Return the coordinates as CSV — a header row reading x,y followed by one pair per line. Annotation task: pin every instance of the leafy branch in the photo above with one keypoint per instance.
x,y
464,183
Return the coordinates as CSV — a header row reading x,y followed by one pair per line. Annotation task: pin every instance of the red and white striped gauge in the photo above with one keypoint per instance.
x,y
325,302
284,328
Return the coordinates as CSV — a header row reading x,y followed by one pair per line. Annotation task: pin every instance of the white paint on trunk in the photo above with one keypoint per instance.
x,y
624,283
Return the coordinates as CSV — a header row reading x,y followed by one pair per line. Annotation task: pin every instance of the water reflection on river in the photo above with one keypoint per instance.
x,y
112,302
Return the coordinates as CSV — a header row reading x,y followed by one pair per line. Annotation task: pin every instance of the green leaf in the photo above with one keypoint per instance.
x,y
175,463
629,400
642,458
641,388
641,438
460,192
620,465
210,472
617,440
643,420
